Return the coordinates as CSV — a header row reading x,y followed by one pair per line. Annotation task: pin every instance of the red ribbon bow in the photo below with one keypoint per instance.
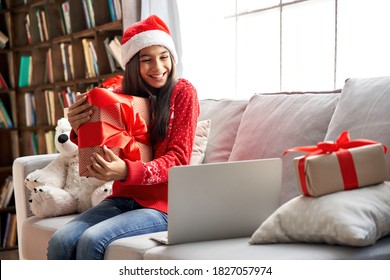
x,y
113,83
112,135
341,146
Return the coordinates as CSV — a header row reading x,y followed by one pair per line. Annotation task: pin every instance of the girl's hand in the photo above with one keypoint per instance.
x,y
113,169
79,112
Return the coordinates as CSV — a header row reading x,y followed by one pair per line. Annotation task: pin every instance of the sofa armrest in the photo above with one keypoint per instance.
x,y
21,168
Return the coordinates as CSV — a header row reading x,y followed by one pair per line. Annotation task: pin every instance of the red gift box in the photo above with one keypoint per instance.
x,y
118,121
342,165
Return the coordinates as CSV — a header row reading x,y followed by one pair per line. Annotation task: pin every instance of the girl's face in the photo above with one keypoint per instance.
x,y
155,65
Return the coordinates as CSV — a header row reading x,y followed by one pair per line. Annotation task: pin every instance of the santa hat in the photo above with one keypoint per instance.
x,y
145,33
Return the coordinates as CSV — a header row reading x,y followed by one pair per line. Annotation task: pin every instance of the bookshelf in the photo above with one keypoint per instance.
x,y
54,48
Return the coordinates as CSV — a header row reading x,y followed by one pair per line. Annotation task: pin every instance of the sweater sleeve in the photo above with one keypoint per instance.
x,y
176,149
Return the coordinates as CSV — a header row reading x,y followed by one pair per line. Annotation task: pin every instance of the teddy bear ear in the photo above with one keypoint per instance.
x,y
64,124
61,121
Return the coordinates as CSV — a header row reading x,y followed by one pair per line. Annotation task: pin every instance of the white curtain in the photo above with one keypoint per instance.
x,y
168,11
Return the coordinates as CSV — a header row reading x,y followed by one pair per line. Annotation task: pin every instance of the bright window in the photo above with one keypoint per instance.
x,y
235,48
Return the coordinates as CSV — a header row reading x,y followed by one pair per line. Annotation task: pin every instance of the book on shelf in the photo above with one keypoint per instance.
x,y
89,60
49,140
15,144
70,60
65,12
66,58
114,64
3,40
118,9
66,97
3,83
28,28
50,107
9,237
34,144
89,13
49,76
60,98
7,191
12,232
115,47
5,117
44,24
25,70
30,108
3,121
40,27
115,9
93,57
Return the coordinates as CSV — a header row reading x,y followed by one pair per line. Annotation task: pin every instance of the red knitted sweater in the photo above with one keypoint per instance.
x,y
147,182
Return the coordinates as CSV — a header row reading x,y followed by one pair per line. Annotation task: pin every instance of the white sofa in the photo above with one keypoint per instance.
x,y
262,127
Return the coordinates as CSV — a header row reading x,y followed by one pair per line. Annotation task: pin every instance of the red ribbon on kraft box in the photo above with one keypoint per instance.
x,y
118,121
341,148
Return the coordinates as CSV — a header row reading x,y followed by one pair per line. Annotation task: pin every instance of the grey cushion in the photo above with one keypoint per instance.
x,y
363,110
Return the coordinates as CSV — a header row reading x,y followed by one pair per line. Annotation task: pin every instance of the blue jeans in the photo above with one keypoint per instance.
x,y
88,235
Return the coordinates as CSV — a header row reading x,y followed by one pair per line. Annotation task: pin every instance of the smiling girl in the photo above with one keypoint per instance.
x,y
138,204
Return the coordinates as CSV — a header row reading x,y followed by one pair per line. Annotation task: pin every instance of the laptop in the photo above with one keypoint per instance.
x,y
220,200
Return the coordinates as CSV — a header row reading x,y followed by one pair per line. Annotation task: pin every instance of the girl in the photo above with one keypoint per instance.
x,y
138,204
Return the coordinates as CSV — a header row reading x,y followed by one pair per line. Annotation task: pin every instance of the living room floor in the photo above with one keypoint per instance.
x,y
9,255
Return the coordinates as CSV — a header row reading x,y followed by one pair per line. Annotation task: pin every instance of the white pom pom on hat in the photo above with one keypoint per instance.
x,y
145,33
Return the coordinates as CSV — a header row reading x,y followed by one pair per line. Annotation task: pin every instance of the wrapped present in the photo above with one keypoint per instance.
x,y
342,165
118,121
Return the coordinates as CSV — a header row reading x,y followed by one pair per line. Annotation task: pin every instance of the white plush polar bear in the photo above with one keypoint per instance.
x,y
57,189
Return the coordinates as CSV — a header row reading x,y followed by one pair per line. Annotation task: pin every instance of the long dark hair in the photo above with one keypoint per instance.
x,y
160,98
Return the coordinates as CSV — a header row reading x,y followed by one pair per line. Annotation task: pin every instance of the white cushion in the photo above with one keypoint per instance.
x,y
225,116
200,142
273,123
356,218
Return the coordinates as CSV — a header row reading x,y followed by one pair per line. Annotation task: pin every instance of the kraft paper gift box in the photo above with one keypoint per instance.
x,y
118,121
342,165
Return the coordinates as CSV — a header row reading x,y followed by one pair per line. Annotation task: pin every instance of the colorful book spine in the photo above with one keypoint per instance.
x,y
7,118
118,9
30,108
66,13
3,40
112,9
3,83
24,70
28,28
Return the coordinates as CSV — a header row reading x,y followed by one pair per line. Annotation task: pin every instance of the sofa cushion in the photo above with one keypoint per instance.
x,y
131,248
37,233
273,123
225,116
357,217
364,111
